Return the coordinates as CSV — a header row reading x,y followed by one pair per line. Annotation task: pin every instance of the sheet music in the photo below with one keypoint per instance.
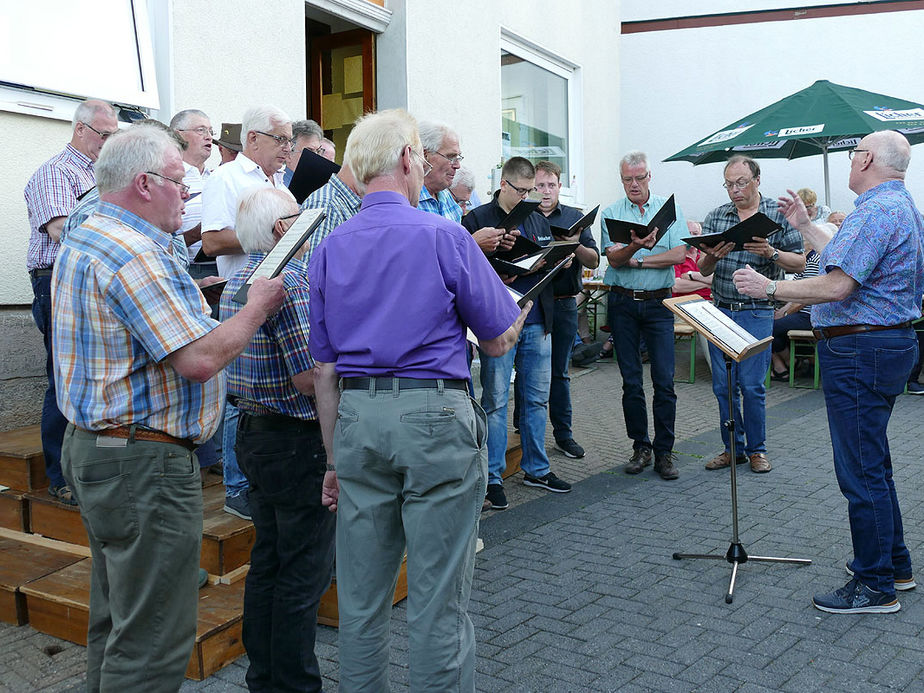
x,y
722,328
274,258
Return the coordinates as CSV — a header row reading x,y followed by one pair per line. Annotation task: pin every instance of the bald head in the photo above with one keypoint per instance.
x,y
879,157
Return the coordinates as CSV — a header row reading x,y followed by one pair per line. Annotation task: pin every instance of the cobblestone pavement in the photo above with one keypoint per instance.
x,y
578,592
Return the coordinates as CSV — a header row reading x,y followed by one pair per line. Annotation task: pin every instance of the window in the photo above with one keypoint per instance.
x,y
56,52
539,120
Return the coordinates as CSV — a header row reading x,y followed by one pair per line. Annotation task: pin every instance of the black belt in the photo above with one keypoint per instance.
x,y
275,423
386,383
743,306
41,272
639,295
841,330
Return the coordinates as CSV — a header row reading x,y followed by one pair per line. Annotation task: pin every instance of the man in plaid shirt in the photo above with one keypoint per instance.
x,y
780,252
51,194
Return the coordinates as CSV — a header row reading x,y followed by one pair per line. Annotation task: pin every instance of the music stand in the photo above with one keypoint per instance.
x,y
736,345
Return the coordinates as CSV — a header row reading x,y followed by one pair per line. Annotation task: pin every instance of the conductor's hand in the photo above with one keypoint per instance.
x,y
508,239
719,251
750,283
330,491
488,238
267,295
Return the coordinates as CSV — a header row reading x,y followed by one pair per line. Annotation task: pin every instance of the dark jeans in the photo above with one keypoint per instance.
x,y
916,371
795,321
53,421
861,376
292,557
630,321
564,327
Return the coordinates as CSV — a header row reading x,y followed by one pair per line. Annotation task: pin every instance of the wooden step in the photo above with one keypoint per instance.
x,y
514,454
20,564
22,465
226,539
14,510
58,604
56,520
328,612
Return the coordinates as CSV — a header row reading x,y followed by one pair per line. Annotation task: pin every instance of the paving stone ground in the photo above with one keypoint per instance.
x,y
578,592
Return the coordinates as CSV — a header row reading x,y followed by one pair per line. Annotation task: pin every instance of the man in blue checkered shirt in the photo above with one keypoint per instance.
x,y
780,252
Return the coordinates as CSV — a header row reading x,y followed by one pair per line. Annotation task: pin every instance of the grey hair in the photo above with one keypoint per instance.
x,y
464,177
262,118
634,158
892,150
432,135
306,128
328,143
181,119
258,208
89,109
129,152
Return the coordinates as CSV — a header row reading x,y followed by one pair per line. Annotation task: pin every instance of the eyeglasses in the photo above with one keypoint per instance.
x,y
638,179
457,159
739,184
184,189
462,203
280,140
427,166
201,130
102,135
854,151
522,192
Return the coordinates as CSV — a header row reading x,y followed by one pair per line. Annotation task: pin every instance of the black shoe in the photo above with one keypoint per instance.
x,y
641,458
549,482
238,505
570,448
496,497
664,465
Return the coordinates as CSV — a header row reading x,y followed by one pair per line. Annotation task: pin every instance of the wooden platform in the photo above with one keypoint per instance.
x,y
14,510
56,520
20,564
514,455
226,539
22,465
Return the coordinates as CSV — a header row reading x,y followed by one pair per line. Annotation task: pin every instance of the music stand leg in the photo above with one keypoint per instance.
x,y
736,555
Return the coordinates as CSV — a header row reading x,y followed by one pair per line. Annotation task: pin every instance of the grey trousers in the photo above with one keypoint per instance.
x,y
141,504
412,467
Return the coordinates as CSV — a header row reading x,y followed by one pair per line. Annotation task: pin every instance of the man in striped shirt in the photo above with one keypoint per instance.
x,y
51,194
139,362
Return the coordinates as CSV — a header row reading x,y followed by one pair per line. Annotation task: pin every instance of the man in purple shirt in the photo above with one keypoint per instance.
x,y
51,194
868,292
392,292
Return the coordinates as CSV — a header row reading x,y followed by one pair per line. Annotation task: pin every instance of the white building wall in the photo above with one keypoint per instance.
x,y
680,86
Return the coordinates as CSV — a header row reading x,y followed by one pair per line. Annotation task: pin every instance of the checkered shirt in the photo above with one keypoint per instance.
x,y
341,203
443,204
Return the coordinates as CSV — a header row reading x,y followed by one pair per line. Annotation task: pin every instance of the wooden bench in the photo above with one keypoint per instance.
x,y
684,332
802,344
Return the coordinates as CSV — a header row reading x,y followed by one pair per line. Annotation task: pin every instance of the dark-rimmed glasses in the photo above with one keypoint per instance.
x,y
522,192
102,135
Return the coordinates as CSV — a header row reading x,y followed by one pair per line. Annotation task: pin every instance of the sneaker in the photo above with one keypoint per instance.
x,y
723,459
856,598
902,582
549,482
640,459
915,389
495,499
203,578
238,505
62,494
664,465
570,448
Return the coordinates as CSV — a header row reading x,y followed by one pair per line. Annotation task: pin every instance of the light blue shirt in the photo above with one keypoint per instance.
x,y
642,279
442,204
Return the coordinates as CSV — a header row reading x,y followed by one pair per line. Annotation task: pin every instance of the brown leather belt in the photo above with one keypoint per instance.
x,y
141,434
639,295
841,330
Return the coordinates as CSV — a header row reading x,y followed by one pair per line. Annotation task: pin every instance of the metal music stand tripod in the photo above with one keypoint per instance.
x,y
736,555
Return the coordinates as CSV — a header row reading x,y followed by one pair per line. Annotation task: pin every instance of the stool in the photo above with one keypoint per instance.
x,y
683,332
802,343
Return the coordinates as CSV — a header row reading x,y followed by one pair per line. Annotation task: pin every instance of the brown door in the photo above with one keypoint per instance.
x,y
342,82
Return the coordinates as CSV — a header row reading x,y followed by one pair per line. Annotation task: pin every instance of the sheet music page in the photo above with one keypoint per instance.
x,y
289,240
725,330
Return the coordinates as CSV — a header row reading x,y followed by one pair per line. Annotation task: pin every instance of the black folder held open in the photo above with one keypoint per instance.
x,y
313,172
757,225
621,231
578,226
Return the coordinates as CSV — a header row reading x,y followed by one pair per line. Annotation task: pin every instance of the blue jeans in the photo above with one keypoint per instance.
x,y
292,557
632,321
532,355
53,421
862,374
564,329
235,481
749,393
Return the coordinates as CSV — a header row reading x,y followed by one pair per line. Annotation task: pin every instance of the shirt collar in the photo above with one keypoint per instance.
x,y
384,197
120,214
426,195
875,190
345,190
74,153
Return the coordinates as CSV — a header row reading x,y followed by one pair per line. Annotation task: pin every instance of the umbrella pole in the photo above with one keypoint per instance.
x,y
824,153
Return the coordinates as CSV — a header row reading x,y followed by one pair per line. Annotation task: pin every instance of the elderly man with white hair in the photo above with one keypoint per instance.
x,y
139,361
266,136
280,450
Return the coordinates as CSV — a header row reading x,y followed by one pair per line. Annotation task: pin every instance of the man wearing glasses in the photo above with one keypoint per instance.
x,y
51,194
532,353
266,136
441,150
772,257
306,134
640,275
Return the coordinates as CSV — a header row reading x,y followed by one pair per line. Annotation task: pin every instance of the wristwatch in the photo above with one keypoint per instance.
x,y
639,263
775,256
771,288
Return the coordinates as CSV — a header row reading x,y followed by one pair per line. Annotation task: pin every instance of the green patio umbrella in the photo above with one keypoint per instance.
x,y
821,118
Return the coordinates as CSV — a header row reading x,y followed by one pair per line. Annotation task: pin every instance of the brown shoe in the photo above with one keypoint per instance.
x,y
722,460
759,463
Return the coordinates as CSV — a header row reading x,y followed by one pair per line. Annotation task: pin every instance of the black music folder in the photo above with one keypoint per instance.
x,y
578,226
757,225
621,231
531,295
313,172
518,214
552,253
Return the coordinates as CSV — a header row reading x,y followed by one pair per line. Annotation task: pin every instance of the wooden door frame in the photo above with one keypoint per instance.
x,y
345,38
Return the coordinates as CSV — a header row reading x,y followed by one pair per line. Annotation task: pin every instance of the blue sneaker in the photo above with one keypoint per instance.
x,y
902,582
856,598
238,505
